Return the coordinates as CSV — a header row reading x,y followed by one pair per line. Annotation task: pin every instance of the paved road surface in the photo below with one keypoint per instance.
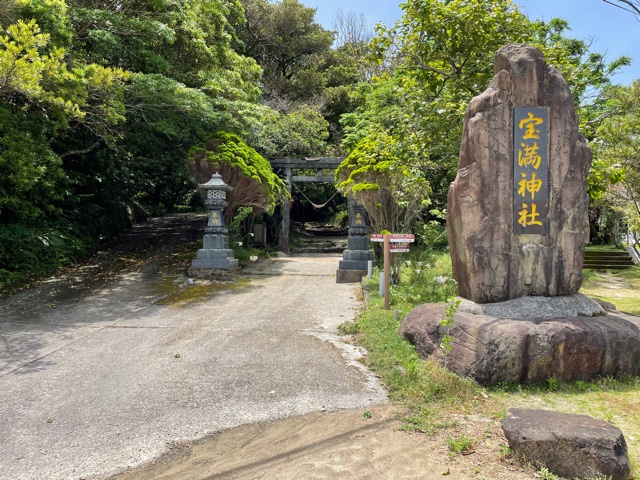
x,y
100,371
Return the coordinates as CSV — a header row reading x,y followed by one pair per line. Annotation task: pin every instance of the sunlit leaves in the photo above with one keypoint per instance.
x,y
255,184
617,170
453,41
377,175
23,66
441,54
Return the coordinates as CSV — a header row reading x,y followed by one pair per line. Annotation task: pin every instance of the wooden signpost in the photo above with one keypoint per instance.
x,y
393,243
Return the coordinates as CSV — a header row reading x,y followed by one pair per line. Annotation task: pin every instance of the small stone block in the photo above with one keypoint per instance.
x,y
357,255
215,242
358,242
353,265
349,276
569,445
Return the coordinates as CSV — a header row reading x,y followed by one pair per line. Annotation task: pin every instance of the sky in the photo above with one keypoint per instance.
x,y
613,31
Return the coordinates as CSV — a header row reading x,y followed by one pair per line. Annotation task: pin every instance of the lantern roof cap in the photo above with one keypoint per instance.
x,y
216,183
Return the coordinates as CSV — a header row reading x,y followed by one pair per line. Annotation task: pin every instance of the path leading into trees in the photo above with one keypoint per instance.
x,y
116,362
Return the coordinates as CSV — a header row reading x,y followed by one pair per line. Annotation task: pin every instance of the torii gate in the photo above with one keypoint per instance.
x,y
356,257
291,164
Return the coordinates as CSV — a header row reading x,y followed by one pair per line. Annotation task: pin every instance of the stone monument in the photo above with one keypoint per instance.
x,y
355,258
215,258
517,215
517,222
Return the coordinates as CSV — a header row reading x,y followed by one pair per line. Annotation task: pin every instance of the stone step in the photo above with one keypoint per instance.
x,y
606,254
322,241
607,260
311,244
311,249
606,267
626,258
613,261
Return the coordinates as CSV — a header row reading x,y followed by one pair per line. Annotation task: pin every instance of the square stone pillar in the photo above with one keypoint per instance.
x,y
285,226
355,259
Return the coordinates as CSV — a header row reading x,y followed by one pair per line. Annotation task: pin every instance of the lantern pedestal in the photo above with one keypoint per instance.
x,y
215,258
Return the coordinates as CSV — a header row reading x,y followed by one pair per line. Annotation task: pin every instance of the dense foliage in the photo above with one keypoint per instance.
x,y
304,79
440,55
101,104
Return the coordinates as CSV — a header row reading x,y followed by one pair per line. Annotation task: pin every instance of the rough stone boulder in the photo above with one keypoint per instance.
x,y
569,445
490,262
494,349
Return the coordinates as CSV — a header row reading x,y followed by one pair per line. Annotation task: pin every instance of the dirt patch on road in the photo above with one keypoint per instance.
x,y
353,444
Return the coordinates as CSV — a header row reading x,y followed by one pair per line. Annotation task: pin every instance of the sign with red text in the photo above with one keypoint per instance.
x,y
399,247
394,237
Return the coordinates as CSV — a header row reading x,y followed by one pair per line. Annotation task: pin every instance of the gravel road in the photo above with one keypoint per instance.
x,y
115,362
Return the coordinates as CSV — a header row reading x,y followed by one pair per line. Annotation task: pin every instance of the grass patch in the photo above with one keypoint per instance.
x,y
620,288
605,248
423,386
245,252
436,398
461,444
609,399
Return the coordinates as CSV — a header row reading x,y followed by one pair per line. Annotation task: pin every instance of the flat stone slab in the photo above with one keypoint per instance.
x,y
576,305
569,445
493,349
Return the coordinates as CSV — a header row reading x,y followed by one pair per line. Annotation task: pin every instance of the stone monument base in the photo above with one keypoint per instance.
x,y
221,274
213,258
349,276
529,340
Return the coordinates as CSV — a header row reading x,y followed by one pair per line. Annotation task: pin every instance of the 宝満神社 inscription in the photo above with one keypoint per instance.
x,y
531,170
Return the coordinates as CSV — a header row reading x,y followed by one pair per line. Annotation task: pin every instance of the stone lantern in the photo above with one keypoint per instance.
x,y
215,253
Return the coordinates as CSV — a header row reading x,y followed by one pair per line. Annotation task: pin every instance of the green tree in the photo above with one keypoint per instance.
x,y
287,43
250,174
587,72
435,60
33,183
375,175
301,70
101,102
188,82
618,149
301,133
40,95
